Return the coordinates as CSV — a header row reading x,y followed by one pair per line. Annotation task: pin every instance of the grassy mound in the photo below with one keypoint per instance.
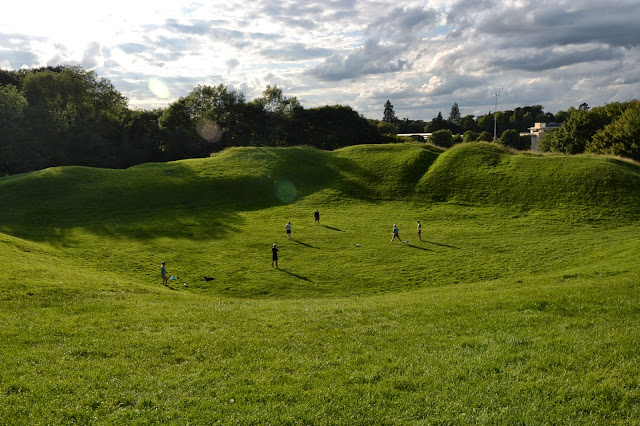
x,y
519,305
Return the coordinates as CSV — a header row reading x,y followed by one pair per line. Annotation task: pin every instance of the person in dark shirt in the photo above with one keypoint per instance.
x,y
317,216
274,257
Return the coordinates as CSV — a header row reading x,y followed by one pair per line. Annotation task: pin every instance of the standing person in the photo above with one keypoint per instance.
x,y
274,256
317,216
164,274
419,231
288,228
396,233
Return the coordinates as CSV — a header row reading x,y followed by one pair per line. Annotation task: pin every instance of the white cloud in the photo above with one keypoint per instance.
x,y
423,56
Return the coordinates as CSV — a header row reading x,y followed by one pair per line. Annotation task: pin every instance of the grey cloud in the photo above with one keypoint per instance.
x,y
548,59
296,52
581,23
92,56
19,58
372,58
405,24
231,64
132,47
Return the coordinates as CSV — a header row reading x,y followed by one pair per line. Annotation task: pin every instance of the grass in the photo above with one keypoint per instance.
x,y
514,308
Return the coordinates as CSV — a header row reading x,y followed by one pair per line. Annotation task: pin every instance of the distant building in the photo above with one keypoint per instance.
x,y
422,135
537,132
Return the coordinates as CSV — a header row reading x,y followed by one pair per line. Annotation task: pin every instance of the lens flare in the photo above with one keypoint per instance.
x,y
209,130
285,191
158,88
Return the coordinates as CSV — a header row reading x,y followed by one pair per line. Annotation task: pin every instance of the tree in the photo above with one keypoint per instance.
x,y
18,153
438,123
485,137
389,114
512,139
75,116
470,136
386,128
454,115
442,138
207,119
621,136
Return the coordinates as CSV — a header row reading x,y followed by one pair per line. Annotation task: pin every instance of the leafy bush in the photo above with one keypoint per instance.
x,y
470,136
442,138
484,137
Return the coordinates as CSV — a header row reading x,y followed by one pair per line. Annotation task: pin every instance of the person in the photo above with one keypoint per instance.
x,y
317,216
274,257
164,274
396,233
419,231
288,228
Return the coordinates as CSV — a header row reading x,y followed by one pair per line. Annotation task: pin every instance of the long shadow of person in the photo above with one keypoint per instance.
x,y
419,248
304,244
300,277
442,245
333,229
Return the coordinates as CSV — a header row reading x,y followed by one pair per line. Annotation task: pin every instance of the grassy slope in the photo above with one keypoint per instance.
x,y
520,305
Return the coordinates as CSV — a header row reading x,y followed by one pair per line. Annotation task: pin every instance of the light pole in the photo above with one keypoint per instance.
x,y
495,117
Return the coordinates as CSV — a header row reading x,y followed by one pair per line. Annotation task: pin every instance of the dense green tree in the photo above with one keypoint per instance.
x,y
512,139
470,136
442,138
438,123
272,118
206,120
75,116
454,115
18,152
386,128
469,123
332,127
389,114
621,136
485,137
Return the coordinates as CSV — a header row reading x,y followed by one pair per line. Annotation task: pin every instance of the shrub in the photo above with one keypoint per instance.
x,y
442,138
470,136
485,137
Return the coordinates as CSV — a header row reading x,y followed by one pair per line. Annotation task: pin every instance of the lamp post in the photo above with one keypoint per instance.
x,y
495,117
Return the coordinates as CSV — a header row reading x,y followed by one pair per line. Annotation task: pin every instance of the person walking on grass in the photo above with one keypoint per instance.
x,y
316,215
396,233
288,228
164,274
419,230
274,256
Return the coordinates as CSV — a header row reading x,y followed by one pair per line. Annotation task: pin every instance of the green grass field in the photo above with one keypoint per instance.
x,y
520,306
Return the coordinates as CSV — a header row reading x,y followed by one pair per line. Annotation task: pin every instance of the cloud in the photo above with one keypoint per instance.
x,y
421,55
92,56
372,58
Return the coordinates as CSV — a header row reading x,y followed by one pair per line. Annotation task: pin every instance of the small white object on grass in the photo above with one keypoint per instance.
x,y
405,241
185,284
357,245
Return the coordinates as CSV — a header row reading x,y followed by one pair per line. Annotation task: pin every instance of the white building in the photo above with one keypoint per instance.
x,y
537,132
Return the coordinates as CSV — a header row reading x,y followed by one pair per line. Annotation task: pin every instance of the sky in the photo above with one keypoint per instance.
x,y
421,55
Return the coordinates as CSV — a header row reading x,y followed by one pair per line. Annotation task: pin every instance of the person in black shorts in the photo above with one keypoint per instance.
x,y
419,230
274,256
288,228
317,216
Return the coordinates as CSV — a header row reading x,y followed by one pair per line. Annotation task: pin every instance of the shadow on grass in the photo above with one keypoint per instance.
x,y
304,244
442,245
419,248
300,277
333,229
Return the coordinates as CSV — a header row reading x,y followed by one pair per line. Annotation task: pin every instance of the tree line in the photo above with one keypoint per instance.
x,y
610,129
55,116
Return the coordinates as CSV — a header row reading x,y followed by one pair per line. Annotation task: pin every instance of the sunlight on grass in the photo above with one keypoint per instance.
x,y
520,305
